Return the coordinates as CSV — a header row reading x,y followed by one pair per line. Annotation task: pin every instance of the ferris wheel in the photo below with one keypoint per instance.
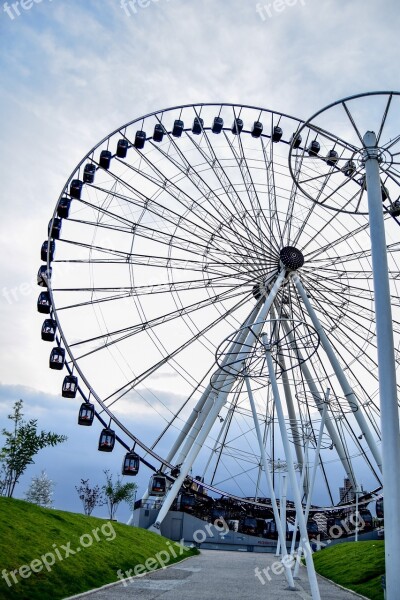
x,y
189,279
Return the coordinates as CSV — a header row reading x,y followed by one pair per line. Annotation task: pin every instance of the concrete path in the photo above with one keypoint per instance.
x,y
218,575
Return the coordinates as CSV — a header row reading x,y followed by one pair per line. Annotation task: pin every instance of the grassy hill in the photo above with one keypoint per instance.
x,y
357,566
56,554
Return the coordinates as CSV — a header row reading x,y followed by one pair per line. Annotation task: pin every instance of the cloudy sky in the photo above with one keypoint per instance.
x,y
74,70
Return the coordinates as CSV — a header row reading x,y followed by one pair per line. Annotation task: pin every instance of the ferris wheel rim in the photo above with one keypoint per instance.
x,y
90,387
167,110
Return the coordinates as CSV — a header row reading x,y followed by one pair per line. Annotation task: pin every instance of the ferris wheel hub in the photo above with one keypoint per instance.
x,y
291,258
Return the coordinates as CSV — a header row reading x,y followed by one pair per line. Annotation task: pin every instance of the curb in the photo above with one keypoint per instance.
x,y
356,594
128,579
340,586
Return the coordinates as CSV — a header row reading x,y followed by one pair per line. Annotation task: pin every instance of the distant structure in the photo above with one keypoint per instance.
x,y
346,493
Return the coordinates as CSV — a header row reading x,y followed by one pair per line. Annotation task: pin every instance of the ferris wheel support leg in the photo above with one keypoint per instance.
x,y
312,578
283,513
200,411
290,405
218,403
386,368
263,455
282,550
314,471
303,473
294,536
145,497
220,380
189,423
344,459
278,545
341,377
225,425
190,458
292,414
260,465
185,430
195,430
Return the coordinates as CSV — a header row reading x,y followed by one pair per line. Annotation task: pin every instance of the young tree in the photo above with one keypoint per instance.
x,y
21,445
117,492
3,476
91,497
40,491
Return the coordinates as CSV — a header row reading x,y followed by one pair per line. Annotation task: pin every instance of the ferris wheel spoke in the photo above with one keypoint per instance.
x,y
246,220
331,245
166,240
214,268
274,221
160,288
170,239
184,224
202,384
337,347
328,223
137,198
384,118
223,233
332,261
355,275
269,154
356,440
230,191
187,169
392,143
350,117
352,306
288,227
133,383
244,472
330,189
255,204
348,201
320,176
354,293
135,329
188,202
220,441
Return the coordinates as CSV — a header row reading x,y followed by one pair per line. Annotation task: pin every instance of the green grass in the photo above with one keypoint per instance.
x,y
356,566
28,532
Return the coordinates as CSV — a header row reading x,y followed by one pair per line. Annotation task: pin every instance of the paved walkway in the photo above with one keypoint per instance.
x,y
218,575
